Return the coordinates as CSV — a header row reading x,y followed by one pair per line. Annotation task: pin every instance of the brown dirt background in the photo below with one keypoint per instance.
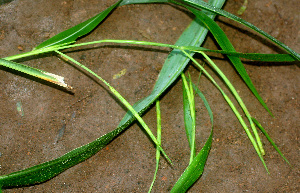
x,y
127,164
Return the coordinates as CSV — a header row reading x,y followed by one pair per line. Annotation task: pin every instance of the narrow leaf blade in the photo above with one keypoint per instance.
x,y
226,45
196,168
203,5
70,35
59,80
269,139
48,170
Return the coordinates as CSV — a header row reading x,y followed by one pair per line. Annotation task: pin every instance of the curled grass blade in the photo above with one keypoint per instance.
x,y
77,31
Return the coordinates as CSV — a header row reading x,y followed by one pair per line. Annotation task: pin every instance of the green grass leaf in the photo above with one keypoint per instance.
x,y
45,171
189,114
226,45
203,5
128,2
157,157
269,139
250,56
70,35
53,78
196,167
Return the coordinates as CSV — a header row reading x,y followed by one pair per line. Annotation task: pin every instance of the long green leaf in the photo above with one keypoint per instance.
x,y
48,170
203,5
128,2
250,56
77,31
226,45
195,169
232,106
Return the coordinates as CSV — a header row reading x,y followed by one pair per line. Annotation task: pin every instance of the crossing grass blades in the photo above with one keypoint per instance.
x,y
188,44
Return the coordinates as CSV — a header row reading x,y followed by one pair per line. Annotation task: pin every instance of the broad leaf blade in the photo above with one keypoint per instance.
x,y
70,35
194,170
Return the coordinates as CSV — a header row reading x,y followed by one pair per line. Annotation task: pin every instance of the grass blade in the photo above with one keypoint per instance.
x,y
59,80
128,2
226,45
269,139
250,56
194,170
45,171
203,5
70,35
189,114
122,100
237,114
159,141
196,167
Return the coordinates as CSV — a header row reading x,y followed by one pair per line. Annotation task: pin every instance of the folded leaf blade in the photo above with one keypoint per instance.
x,y
59,80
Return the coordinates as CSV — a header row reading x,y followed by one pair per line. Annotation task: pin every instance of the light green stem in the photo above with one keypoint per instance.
x,y
240,101
237,114
120,97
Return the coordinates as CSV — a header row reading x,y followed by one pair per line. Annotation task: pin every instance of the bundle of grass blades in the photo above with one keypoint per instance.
x,y
182,52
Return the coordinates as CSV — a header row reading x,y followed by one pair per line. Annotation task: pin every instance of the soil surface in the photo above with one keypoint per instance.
x,y
127,164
